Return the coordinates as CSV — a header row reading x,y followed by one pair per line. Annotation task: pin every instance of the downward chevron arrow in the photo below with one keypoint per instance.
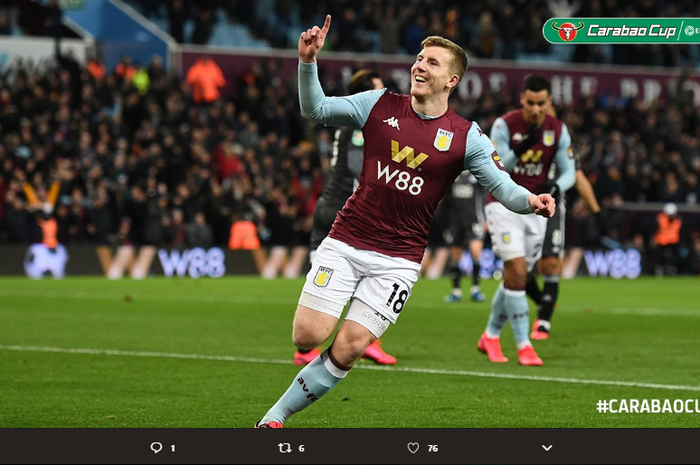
x,y
546,447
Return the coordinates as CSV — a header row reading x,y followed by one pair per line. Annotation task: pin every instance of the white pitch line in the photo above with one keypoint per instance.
x,y
233,298
245,299
431,371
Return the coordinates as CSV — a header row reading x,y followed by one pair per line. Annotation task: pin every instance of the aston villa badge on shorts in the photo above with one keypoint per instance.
x,y
548,138
443,140
323,276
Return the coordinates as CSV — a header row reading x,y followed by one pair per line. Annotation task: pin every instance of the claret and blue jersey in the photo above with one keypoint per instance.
x,y
409,162
532,168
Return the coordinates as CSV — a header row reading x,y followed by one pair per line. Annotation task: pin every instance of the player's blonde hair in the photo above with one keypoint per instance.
x,y
460,61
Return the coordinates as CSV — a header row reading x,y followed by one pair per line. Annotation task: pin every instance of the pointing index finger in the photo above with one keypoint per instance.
x,y
326,25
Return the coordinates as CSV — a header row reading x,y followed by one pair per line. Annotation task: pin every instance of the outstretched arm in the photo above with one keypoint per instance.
x,y
486,166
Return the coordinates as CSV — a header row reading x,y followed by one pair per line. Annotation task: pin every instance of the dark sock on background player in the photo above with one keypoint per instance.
x,y
547,303
532,288
475,273
549,297
455,275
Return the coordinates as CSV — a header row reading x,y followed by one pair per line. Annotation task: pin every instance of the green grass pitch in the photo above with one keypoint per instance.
x,y
183,353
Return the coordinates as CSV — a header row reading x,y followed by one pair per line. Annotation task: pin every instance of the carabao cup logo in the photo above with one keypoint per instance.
x,y
567,31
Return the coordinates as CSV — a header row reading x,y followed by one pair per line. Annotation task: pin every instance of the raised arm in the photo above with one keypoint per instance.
x,y
350,111
311,41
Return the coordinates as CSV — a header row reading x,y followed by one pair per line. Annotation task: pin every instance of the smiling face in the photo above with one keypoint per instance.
x,y
535,105
431,74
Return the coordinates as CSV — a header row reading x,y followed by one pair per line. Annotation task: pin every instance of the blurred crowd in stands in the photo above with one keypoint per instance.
x,y
502,29
499,29
133,155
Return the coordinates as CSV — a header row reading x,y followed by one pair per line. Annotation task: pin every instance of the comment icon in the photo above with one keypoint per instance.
x,y
156,447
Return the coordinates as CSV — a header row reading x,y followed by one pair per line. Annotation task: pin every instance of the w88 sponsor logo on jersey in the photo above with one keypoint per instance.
x,y
530,164
403,180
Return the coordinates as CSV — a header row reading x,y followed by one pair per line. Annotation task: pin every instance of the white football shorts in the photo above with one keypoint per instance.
x,y
514,235
340,272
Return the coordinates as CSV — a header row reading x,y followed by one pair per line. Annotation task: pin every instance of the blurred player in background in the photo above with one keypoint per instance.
x,y
415,147
437,253
529,141
339,185
550,265
464,204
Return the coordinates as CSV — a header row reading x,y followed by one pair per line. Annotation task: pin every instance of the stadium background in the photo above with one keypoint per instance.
x,y
111,122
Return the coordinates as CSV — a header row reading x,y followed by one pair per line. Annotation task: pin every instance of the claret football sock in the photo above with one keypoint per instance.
x,y
312,383
498,317
518,314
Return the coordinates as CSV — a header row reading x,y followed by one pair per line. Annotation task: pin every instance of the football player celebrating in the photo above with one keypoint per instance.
x,y
415,147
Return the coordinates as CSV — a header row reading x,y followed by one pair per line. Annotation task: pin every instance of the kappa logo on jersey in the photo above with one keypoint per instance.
x,y
408,153
393,122
497,160
323,276
443,140
548,138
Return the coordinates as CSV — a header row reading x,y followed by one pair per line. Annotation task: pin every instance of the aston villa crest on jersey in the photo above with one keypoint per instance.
x,y
548,138
443,140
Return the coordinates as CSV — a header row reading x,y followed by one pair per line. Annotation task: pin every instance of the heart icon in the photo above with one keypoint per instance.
x,y
413,447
